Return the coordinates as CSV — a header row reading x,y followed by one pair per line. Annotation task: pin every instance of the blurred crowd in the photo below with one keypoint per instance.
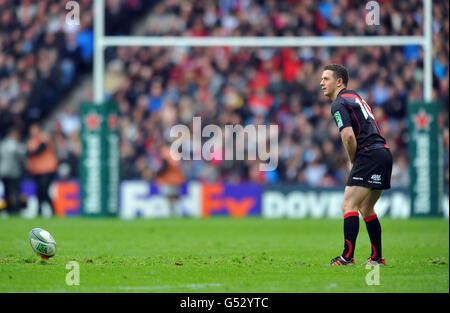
x,y
287,18
44,48
159,87
42,54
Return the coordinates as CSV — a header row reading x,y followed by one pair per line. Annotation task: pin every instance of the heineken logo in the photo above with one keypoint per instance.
x,y
421,165
426,157
100,159
338,118
92,183
440,121
113,121
422,120
92,121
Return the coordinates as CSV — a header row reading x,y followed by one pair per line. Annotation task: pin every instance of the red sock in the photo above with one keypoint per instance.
x,y
374,230
351,229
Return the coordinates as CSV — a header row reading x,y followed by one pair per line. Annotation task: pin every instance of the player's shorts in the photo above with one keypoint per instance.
x,y
372,169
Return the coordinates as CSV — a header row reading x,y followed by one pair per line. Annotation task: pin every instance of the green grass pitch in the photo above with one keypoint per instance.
x,y
222,255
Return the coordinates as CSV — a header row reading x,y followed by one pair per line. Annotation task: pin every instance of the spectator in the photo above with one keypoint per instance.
x,y
12,157
42,164
169,179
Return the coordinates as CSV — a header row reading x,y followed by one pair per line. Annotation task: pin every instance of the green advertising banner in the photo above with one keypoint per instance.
x,y
99,163
426,158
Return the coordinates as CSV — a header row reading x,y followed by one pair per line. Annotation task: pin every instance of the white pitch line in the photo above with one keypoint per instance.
x,y
126,288
192,286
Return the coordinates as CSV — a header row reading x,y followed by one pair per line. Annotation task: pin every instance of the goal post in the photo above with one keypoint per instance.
x,y
101,42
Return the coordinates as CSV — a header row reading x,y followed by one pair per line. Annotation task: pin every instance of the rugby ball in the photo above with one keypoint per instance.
x,y
42,243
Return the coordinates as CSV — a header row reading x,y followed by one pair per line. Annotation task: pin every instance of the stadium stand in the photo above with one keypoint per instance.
x,y
42,56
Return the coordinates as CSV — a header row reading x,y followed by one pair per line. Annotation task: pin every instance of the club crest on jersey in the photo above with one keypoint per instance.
x,y
337,117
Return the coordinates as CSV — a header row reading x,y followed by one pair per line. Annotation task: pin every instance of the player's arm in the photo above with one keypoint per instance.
x,y
349,140
343,122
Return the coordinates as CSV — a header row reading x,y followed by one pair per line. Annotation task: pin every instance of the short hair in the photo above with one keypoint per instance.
x,y
339,71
